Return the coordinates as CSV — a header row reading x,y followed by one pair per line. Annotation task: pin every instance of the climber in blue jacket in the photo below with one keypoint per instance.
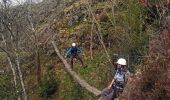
x,y
73,53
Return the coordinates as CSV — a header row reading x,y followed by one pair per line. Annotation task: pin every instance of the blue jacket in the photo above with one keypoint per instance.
x,y
72,51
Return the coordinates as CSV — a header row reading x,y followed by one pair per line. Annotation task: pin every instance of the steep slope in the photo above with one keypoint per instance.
x,y
153,83
117,26
77,26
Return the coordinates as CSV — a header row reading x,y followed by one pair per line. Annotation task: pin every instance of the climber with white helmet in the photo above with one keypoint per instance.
x,y
73,53
118,81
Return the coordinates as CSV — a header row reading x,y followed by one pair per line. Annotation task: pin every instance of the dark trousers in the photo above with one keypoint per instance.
x,y
110,94
107,94
78,58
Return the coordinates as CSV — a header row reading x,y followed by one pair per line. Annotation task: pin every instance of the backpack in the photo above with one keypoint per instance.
x,y
74,51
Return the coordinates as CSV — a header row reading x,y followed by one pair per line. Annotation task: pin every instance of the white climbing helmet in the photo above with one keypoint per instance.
x,y
73,44
121,61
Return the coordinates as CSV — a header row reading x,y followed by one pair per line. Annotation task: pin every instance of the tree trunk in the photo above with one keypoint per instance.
x,y
21,77
99,32
113,7
38,65
91,40
14,74
35,42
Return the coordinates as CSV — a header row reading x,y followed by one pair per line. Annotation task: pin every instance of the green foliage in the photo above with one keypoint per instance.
x,y
101,5
76,93
79,27
79,93
129,23
98,72
7,88
49,85
67,1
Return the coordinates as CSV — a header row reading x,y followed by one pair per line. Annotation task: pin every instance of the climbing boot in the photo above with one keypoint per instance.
x,y
99,95
71,66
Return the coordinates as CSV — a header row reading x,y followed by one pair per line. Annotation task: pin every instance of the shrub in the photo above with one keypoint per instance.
x,y
48,86
7,88
153,83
